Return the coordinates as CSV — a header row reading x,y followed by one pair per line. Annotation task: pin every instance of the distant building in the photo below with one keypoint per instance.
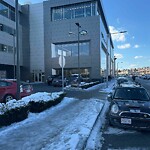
x,y
44,34
135,71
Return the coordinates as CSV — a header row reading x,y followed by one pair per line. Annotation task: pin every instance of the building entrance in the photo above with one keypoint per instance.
x,y
38,76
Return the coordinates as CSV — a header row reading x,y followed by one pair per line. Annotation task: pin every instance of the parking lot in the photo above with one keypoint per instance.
x,y
44,87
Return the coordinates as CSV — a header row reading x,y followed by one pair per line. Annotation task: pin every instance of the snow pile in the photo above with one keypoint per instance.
x,y
42,96
37,97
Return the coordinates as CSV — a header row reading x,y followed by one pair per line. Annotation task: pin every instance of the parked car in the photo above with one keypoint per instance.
x,y
129,108
75,79
58,81
8,90
50,79
122,80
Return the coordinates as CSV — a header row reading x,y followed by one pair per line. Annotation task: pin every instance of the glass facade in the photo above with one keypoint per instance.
x,y
7,11
70,49
74,11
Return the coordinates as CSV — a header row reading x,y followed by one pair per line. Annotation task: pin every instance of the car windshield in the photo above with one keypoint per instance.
x,y
131,94
122,80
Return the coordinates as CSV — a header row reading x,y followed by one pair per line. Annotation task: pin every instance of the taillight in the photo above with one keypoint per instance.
x,y
21,88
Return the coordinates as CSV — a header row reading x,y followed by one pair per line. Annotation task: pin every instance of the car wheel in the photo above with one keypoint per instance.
x,y
8,97
109,122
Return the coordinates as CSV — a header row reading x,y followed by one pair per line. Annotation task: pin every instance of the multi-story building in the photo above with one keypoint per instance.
x,y
8,41
55,27
7,30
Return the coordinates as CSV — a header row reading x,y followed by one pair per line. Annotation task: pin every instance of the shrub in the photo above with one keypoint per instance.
x,y
15,111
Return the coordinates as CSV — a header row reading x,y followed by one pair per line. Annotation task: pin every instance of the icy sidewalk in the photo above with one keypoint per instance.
x,y
60,127
65,126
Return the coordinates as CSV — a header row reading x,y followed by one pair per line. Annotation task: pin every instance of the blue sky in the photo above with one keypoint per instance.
x,y
30,1
132,48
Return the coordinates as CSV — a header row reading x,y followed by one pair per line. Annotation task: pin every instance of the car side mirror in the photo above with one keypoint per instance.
x,y
109,97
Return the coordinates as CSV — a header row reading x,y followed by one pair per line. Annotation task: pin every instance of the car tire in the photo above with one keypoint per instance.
x,y
110,124
8,97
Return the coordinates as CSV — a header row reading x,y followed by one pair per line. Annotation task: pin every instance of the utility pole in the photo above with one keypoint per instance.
x,y
17,49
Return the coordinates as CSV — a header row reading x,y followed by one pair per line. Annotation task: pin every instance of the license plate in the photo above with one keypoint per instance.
x,y
135,110
125,121
28,91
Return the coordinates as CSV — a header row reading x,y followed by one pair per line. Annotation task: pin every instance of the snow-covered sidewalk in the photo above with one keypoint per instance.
x,y
65,126
60,127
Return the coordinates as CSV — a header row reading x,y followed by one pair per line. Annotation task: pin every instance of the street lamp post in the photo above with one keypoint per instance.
x,y
14,53
14,56
108,37
107,66
115,67
78,25
83,32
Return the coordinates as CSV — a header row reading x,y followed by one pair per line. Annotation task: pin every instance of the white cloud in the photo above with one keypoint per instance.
x,y
136,46
124,46
116,36
133,65
137,57
118,56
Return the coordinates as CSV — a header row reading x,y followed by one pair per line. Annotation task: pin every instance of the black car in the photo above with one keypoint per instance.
x,y
51,78
121,80
130,108
59,82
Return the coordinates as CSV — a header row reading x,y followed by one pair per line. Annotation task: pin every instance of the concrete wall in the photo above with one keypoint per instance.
x,y
25,73
36,37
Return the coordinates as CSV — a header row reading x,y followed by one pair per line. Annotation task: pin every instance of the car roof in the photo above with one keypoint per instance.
x,y
129,87
129,84
8,80
14,81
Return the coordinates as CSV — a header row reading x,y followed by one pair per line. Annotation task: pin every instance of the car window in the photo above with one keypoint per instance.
x,y
131,94
3,83
121,80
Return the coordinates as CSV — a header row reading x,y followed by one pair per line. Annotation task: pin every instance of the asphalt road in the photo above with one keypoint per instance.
x,y
80,94
114,138
144,83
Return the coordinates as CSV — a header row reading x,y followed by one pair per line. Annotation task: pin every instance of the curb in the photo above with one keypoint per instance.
x,y
81,145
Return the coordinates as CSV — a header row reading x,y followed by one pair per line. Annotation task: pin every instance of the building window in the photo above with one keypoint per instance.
x,y
70,49
88,9
79,11
4,10
1,27
7,11
57,13
7,29
94,9
12,14
68,12
6,48
74,11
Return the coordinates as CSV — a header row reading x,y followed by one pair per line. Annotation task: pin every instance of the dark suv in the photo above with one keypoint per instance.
x,y
51,78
